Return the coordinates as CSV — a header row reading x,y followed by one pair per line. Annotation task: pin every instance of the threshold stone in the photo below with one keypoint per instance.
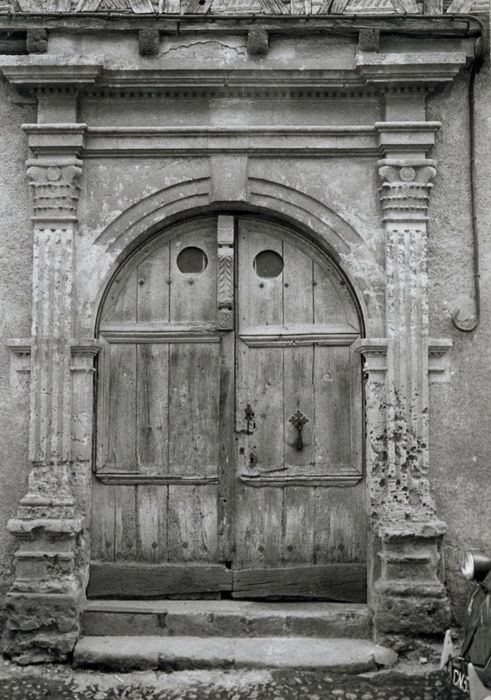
x,y
185,653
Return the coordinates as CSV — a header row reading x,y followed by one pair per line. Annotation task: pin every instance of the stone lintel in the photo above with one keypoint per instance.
x,y
415,68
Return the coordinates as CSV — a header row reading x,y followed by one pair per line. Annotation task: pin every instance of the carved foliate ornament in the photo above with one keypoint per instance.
x,y
55,188
405,189
225,276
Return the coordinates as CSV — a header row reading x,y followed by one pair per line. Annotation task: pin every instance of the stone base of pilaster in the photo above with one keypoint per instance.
x,y
410,600
42,627
45,601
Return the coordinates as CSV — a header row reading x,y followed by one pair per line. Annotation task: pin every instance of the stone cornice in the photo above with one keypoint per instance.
x,y
75,72
425,67
375,70
397,137
56,140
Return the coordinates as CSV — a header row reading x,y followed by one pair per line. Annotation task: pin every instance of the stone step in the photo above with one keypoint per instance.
x,y
228,618
189,653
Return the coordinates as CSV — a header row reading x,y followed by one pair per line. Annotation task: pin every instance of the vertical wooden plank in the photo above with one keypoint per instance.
x,y
125,522
151,504
103,377
332,405
193,408
258,527
227,448
152,408
122,407
120,305
299,396
266,444
356,411
340,525
153,287
102,521
193,295
260,298
192,523
298,281
298,525
332,297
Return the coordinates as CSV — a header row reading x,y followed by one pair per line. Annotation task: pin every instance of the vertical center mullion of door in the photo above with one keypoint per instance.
x,y
226,447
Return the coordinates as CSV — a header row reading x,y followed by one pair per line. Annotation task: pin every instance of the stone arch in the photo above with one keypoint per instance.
x,y
306,214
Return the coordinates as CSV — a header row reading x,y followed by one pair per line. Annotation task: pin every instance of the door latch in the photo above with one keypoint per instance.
x,y
249,417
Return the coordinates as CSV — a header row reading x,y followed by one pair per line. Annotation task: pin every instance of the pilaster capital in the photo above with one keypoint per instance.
x,y
55,188
374,353
405,189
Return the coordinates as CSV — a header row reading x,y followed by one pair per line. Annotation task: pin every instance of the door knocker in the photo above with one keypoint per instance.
x,y
298,421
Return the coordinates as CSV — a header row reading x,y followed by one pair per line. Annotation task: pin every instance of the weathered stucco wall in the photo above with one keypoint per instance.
x,y
460,410
15,317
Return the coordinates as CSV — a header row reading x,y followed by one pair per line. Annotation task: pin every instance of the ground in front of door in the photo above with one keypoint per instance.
x,y
409,682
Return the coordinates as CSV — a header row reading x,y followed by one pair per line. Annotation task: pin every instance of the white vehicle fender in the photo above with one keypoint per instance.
x,y
476,689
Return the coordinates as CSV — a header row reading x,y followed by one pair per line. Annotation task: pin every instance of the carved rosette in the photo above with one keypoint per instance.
x,y
55,188
405,189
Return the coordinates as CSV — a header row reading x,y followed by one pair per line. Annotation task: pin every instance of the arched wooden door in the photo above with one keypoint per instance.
x,y
229,429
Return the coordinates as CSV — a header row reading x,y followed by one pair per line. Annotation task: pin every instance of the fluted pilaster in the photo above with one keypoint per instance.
x,y
410,597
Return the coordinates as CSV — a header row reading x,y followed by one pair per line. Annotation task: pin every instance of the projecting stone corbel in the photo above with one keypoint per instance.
x,y
36,41
257,41
369,40
149,42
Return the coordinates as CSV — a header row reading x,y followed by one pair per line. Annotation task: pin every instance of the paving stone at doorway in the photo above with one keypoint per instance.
x,y
177,653
38,684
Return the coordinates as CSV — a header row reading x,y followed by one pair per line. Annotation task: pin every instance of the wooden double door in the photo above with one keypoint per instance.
x,y
229,420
